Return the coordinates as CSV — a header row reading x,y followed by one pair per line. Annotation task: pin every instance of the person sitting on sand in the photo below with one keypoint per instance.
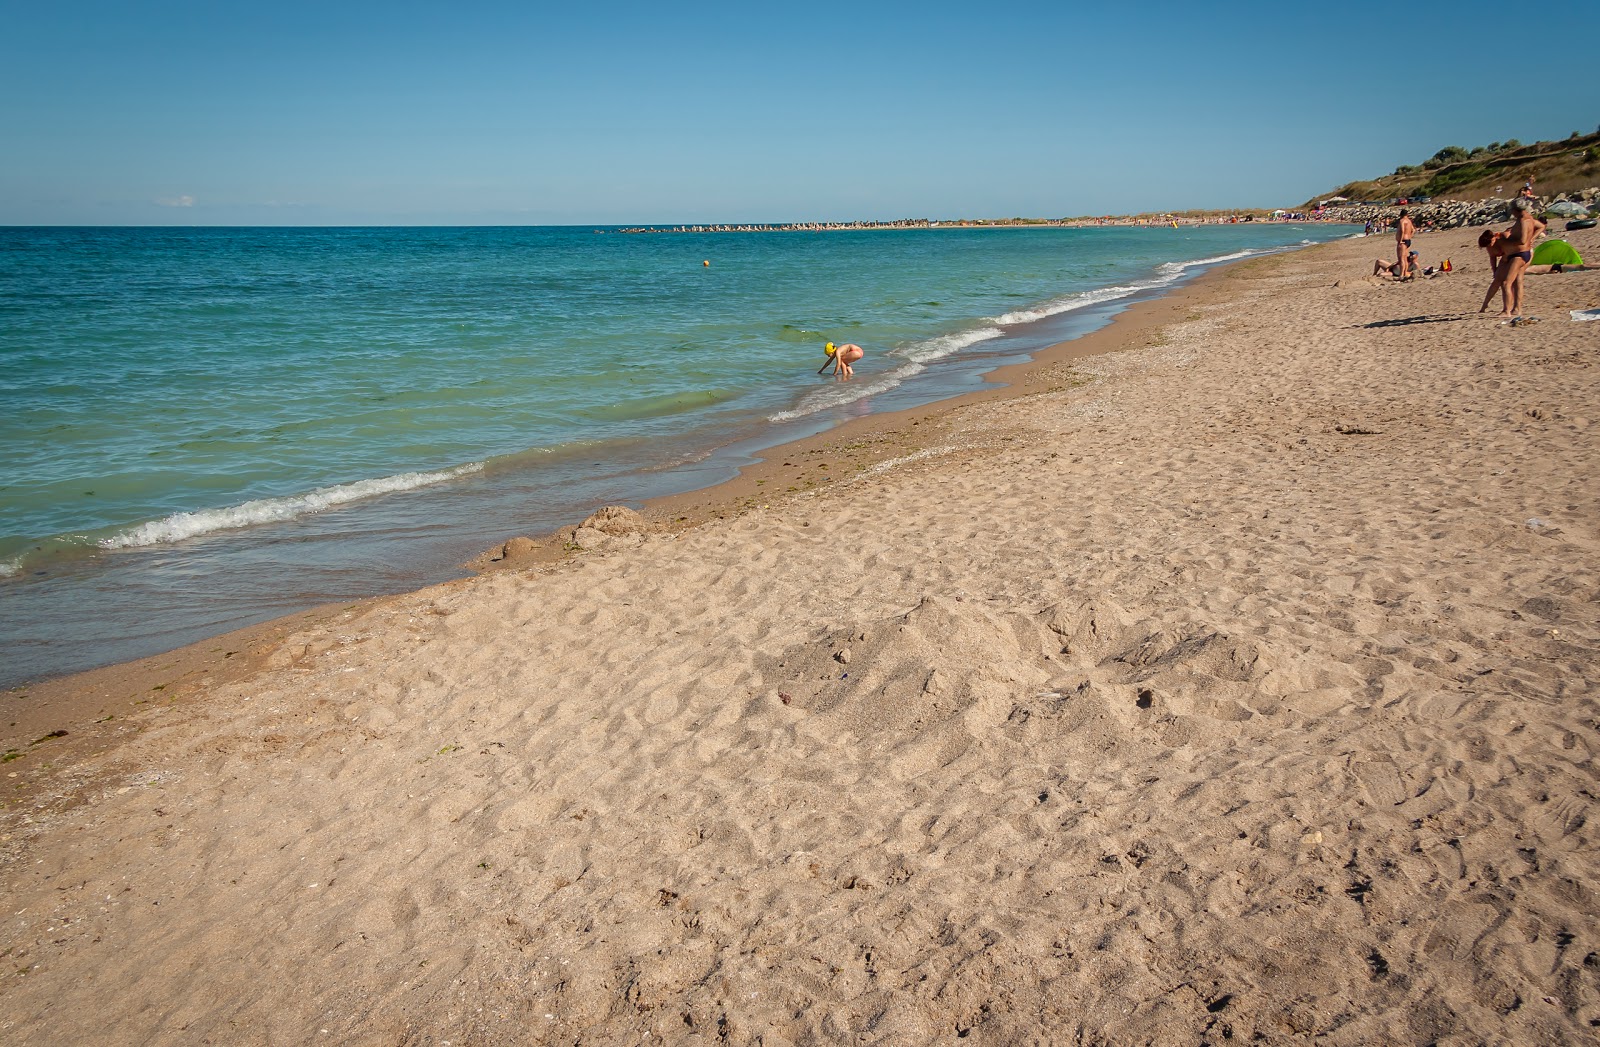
x,y
1384,267
841,357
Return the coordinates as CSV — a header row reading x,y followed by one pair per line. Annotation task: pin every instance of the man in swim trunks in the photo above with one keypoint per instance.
x,y
1404,230
842,357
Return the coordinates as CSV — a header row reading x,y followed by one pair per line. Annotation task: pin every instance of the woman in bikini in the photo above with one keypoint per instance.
x,y
841,357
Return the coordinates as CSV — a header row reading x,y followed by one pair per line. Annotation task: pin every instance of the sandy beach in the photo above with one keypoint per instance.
x,y
1230,674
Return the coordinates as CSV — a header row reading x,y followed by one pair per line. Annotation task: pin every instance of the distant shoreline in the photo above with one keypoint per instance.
x,y
1154,221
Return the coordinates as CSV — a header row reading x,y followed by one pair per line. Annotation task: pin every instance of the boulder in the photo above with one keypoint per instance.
x,y
1444,214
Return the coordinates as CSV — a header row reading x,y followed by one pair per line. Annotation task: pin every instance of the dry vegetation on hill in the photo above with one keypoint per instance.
x,y
1497,169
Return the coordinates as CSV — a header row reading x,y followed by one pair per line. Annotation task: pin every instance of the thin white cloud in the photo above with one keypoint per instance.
x,y
176,201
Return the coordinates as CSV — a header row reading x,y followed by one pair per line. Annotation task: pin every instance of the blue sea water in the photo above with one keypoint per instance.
x,y
204,428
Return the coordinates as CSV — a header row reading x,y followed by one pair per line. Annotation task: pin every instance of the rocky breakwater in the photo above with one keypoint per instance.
x,y
1451,214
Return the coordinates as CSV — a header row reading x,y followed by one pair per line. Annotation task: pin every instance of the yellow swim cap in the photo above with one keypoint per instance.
x,y
828,350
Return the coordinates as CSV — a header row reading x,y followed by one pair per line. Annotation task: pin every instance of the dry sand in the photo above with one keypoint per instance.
x,y
1238,685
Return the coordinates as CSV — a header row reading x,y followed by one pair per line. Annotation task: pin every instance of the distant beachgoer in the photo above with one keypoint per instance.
x,y
841,357
1404,230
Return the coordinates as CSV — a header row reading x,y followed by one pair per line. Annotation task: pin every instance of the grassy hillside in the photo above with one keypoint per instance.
x,y
1497,169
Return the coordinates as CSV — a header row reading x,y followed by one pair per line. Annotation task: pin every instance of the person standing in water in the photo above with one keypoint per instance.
x,y
841,357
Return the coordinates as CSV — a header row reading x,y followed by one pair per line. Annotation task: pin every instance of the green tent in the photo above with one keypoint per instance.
x,y
1555,252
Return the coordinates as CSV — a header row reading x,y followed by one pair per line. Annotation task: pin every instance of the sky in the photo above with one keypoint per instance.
x,y
349,112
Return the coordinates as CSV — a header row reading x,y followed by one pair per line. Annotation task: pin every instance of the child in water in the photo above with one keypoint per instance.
x,y
841,357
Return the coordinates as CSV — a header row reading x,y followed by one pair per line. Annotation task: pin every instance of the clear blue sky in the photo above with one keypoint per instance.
x,y
250,112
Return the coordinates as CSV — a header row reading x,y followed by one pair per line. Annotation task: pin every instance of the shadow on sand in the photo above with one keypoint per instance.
x,y
1407,321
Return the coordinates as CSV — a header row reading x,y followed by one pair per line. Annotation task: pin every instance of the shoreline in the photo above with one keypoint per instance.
x,y
77,702
98,587
1150,220
1240,685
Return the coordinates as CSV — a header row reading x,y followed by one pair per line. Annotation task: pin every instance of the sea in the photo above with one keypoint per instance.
x,y
206,428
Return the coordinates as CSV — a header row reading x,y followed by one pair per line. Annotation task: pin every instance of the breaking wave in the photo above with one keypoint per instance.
x,y
919,354
839,395
179,526
1175,268
1066,304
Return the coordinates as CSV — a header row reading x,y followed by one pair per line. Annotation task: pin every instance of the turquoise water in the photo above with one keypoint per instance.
x,y
206,427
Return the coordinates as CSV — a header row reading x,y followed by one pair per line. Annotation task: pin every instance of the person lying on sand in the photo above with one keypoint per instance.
x,y
1385,268
1558,256
1559,267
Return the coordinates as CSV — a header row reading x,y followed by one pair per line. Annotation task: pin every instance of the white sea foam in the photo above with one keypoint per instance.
x,y
844,393
919,353
916,355
1080,300
947,344
178,526
1168,272
1175,268
10,567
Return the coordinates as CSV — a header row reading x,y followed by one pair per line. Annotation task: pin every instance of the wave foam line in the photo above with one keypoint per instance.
x,y
1080,300
845,393
947,344
178,526
1178,267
